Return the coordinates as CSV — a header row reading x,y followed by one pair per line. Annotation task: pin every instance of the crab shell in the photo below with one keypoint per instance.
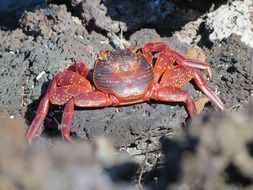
x,y
124,74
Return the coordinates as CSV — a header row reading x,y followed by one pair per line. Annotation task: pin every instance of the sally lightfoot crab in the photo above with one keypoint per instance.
x,y
123,77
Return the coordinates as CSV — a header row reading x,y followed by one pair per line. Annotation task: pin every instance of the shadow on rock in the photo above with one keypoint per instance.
x,y
11,11
123,172
129,16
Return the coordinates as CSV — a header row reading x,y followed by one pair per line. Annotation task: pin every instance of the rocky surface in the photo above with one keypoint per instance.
x,y
47,37
237,20
216,153
233,63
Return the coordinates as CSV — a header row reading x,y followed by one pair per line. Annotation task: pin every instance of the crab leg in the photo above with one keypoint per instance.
x,y
68,78
39,118
180,75
93,99
202,84
42,111
189,62
60,95
150,48
163,63
86,99
67,118
171,94
173,56
79,68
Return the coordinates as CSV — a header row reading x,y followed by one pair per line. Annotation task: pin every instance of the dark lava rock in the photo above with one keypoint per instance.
x,y
232,61
123,125
12,81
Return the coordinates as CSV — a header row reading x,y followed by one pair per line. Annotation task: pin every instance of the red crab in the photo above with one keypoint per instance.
x,y
123,77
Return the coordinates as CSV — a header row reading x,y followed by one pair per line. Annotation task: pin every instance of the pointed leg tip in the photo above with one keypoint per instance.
x,y
210,73
68,138
222,108
29,138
